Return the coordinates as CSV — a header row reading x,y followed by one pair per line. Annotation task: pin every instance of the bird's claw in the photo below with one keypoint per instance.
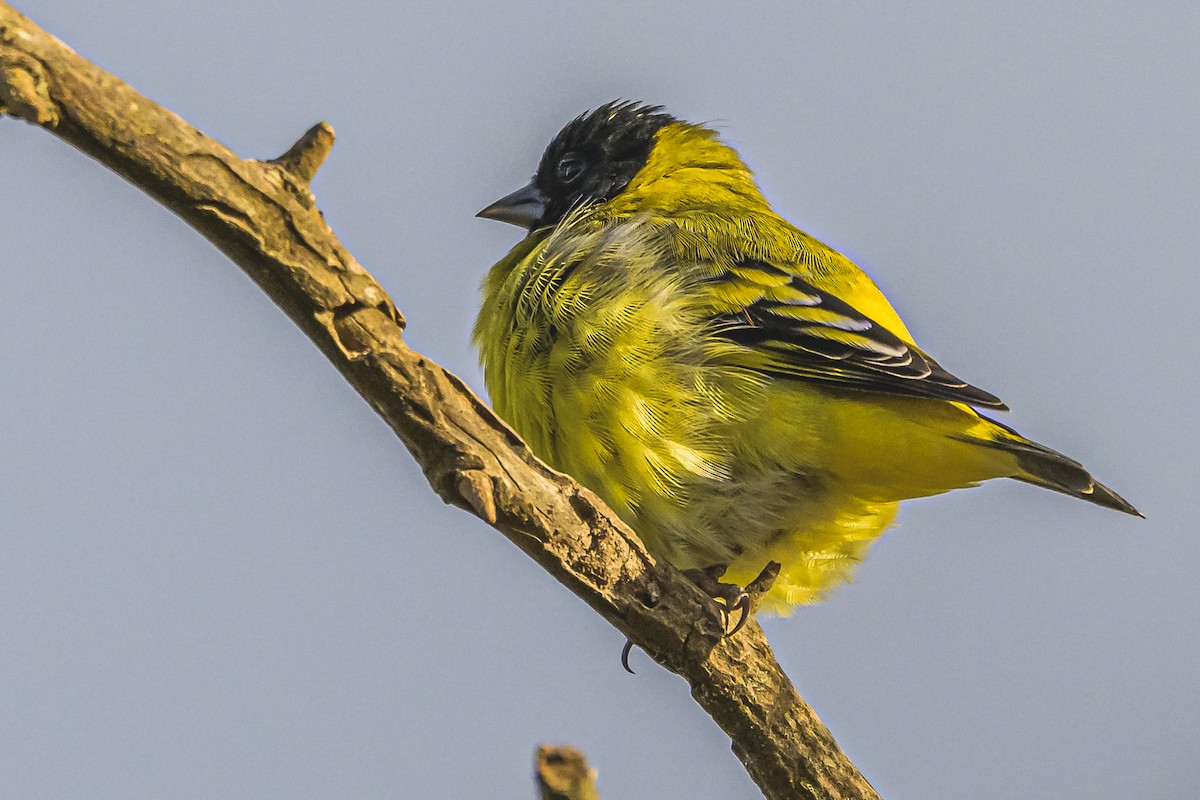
x,y
731,598
625,656
740,602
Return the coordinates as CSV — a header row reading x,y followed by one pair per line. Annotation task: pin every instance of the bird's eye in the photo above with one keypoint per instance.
x,y
570,167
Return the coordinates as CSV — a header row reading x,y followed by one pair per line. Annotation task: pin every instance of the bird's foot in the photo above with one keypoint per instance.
x,y
734,601
730,597
737,604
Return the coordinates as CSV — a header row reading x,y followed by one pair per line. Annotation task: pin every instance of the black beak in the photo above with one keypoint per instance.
x,y
523,208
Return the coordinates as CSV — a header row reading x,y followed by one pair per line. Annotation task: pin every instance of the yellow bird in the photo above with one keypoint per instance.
x,y
737,391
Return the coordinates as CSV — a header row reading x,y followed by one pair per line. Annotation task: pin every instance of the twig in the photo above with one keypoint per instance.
x,y
563,774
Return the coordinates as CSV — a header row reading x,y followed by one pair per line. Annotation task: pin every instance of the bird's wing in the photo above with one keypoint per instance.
x,y
789,328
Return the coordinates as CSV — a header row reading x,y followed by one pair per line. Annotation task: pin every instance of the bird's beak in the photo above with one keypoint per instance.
x,y
524,207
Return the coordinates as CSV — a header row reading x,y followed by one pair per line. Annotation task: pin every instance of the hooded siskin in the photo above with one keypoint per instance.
x,y
735,390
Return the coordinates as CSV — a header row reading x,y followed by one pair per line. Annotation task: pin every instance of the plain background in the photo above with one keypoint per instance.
x,y
222,577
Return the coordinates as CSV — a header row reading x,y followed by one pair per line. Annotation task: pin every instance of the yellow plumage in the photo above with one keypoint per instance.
x,y
737,391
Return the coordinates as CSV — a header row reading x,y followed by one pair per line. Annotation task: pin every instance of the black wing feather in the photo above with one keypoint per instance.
x,y
824,339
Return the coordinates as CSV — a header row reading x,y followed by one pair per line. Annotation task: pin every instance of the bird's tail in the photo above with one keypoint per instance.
x,y
1048,468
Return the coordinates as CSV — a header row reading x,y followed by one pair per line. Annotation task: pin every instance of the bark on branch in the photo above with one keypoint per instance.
x,y
262,215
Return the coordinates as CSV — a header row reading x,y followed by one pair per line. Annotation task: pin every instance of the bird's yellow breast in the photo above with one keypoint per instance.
x,y
598,359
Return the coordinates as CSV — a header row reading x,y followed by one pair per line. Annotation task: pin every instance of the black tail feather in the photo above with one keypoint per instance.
x,y
1050,469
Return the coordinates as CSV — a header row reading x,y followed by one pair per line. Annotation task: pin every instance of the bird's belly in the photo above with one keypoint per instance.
x,y
699,484
816,531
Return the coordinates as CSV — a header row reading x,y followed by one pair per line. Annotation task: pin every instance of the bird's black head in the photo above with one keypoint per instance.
x,y
590,161
596,156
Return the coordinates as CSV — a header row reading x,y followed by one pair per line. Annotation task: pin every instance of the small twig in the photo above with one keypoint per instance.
x,y
563,774
306,156
758,588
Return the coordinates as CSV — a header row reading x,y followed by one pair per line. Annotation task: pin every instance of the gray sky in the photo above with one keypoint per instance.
x,y
222,577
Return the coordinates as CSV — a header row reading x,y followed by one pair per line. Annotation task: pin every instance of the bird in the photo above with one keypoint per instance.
x,y
735,390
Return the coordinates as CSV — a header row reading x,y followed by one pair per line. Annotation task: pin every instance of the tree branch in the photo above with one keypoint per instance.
x,y
262,215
